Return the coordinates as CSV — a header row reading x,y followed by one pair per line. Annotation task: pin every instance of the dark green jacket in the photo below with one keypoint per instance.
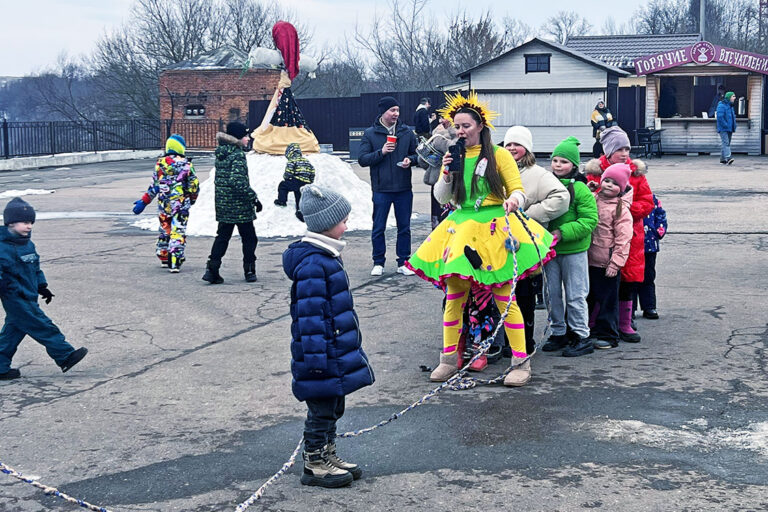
x,y
577,224
235,199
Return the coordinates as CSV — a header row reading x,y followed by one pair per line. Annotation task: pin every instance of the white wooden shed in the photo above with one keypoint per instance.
x,y
547,87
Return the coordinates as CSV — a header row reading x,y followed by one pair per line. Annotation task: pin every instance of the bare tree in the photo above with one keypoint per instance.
x,y
516,32
611,27
666,17
566,24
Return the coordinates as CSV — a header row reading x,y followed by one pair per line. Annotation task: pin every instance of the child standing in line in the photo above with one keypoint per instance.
x,y
298,172
616,145
21,281
569,269
175,185
327,358
608,253
655,226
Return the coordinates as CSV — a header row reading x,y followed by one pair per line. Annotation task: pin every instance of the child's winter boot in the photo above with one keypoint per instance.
x,y
478,364
212,272
250,272
336,461
446,369
626,332
174,264
520,375
73,358
318,470
579,347
593,315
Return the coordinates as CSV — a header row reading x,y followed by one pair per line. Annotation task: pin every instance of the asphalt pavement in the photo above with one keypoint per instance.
x,y
184,399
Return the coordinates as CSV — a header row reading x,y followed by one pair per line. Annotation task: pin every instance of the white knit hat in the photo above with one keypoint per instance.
x,y
520,135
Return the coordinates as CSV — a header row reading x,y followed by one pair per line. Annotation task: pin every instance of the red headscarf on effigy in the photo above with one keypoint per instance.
x,y
287,42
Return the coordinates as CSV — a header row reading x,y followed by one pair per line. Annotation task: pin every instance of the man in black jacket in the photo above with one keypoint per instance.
x,y
421,119
389,149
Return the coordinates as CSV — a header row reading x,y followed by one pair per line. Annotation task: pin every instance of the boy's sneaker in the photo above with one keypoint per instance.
x,y
278,203
579,347
73,358
174,264
377,270
555,342
405,271
11,374
651,314
730,161
318,470
604,344
340,463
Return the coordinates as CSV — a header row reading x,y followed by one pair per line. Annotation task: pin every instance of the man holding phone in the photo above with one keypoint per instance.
x,y
389,149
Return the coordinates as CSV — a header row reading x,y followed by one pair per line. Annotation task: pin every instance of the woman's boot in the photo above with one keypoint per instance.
x,y
250,272
446,369
520,376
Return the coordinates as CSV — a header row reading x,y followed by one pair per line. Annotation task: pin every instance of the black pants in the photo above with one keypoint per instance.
x,y
627,291
287,186
604,295
247,236
525,294
597,149
647,291
320,426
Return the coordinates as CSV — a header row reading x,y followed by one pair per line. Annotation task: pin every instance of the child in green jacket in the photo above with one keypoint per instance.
x,y
569,270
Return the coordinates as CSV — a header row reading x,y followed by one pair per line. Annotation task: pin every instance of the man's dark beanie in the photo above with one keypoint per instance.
x,y
386,103
18,210
237,130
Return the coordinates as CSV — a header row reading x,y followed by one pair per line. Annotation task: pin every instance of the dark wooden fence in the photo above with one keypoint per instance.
x,y
331,118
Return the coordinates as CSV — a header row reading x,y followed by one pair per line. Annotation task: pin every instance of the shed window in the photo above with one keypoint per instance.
x,y
537,63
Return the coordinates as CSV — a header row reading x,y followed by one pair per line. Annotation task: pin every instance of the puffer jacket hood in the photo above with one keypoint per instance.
x,y
596,166
293,151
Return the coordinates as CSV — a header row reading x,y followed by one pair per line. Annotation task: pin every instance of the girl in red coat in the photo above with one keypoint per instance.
x,y
616,146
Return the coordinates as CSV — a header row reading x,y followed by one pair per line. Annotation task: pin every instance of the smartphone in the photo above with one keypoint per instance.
x,y
457,154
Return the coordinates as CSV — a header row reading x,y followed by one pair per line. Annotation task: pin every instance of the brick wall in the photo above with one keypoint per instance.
x,y
218,91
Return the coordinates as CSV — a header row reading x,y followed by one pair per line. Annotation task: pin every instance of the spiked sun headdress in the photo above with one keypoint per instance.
x,y
454,103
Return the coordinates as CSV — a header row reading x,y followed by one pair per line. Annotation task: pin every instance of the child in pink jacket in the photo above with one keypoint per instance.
x,y
608,253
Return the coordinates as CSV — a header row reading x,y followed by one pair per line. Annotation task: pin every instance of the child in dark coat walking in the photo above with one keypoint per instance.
x,y
655,226
327,359
21,281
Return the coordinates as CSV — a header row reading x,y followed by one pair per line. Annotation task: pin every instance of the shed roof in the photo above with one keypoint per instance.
x,y
621,51
225,57
564,49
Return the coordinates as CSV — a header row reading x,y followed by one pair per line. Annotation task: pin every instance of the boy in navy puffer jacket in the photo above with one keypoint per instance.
x,y
327,359
21,281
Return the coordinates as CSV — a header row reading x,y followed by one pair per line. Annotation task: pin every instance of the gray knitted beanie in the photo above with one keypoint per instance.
x,y
322,208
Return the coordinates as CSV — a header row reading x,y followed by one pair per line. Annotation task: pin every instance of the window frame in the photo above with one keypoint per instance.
x,y
538,57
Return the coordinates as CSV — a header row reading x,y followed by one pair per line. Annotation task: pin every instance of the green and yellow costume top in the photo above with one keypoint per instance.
x,y
469,243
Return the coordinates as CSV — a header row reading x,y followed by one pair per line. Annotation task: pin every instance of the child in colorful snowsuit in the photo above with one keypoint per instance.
x,y
608,253
298,172
467,252
21,281
655,226
327,358
175,185
616,145
569,269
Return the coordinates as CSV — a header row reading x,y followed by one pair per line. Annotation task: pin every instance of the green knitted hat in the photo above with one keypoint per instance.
x,y
728,95
568,149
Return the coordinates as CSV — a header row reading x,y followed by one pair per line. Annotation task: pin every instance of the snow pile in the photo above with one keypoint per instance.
x,y
265,172
26,192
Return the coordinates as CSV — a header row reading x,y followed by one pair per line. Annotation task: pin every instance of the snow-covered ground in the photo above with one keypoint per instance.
x,y
25,192
265,172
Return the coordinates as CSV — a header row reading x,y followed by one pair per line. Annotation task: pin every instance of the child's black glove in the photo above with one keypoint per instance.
x,y
258,206
45,293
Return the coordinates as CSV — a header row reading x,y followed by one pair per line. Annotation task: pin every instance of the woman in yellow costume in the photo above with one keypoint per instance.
x,y
467,252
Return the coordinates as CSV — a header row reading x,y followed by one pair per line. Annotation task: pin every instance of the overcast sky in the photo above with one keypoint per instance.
x,y
34,33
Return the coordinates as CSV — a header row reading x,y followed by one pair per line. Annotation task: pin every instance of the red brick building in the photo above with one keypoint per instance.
x,y
203,93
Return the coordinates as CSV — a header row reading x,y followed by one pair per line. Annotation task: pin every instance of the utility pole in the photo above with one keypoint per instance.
x,y
703,18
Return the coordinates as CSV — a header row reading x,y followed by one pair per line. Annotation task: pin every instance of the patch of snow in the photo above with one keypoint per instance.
x,y
265,172
26,192
754,437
